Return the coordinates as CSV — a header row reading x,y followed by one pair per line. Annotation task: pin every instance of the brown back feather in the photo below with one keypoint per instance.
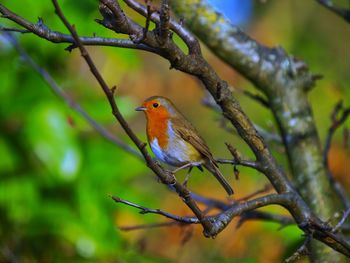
x,y
187,132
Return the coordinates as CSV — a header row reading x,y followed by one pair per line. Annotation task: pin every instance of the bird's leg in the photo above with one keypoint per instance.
x,y
187,176
182,167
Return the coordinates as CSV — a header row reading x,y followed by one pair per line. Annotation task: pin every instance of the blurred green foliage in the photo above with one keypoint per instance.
x,y
56,172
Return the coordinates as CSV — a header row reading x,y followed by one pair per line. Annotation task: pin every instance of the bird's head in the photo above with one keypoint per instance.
x,y
157,106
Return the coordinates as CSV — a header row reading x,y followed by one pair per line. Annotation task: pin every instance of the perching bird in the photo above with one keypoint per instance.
x,y
175,141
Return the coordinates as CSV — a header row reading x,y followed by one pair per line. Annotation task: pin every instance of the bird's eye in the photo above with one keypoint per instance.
x,y
155,105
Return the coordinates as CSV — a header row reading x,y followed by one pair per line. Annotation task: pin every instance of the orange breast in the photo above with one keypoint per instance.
x,y
157,127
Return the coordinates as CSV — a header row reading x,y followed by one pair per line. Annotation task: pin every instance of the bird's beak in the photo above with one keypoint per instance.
x,y
141,108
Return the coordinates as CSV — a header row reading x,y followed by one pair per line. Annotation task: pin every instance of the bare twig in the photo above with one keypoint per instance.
x,y
342,12
265,189
302,251
269,135
236,209
209,102
69,101
10,29
43,31
260,99
191,42
263,216
337,121
246,163
148,226
179,220
342,220
237,160
148,19
339,116
164,23
145,210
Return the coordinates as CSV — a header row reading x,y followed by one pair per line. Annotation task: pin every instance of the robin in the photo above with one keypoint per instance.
x,y
175,141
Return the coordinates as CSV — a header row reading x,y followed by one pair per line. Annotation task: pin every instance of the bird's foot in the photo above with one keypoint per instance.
x,y
186,180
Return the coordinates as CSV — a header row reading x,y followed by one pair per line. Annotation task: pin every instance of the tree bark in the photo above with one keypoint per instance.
x,y
285,82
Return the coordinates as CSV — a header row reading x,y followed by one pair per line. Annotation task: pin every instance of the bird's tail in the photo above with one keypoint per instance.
x,y
218,175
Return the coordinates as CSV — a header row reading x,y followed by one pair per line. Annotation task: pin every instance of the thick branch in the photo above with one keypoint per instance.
x,y
285,81
223,219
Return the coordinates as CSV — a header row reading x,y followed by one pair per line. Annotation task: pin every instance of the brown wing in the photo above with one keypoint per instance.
x,y
187,132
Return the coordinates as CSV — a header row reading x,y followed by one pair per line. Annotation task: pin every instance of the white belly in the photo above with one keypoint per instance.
x,y
175,157
176,152
157,150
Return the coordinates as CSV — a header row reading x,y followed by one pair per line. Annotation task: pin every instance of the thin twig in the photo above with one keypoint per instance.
x,y
263,216
342,220
10,29
42,30
164,24
339,116
146,210
263,101
336,123
209,102
69,101
245,163
237,160
342,12
269,135
191,42
148,19
148,226
302,251
265,189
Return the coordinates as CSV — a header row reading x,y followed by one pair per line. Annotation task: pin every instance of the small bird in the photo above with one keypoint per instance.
x,y
175,141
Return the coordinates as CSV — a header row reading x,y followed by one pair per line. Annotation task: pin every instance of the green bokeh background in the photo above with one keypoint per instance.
x,y
56,172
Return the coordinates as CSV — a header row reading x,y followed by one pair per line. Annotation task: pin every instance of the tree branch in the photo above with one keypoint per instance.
x,y
69,101
273,72
342,220
263,216
196,65
337,122
302,251
145,210
164,176
342,12
164,23
148,226
43,31
191,42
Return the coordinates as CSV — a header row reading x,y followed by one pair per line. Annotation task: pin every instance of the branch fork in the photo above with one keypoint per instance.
x,y
192,63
